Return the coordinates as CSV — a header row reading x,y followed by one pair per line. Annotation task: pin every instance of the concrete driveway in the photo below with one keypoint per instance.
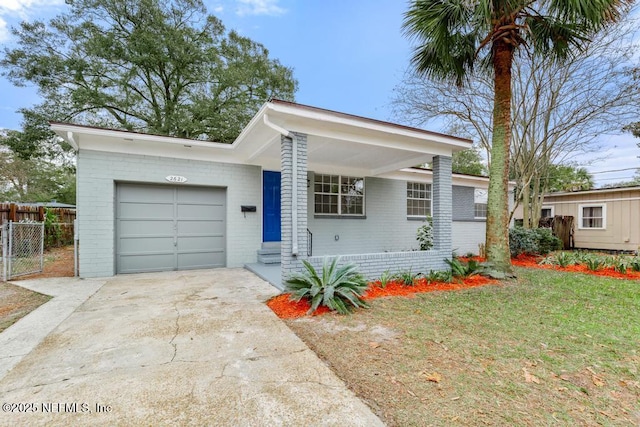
x,y
180,348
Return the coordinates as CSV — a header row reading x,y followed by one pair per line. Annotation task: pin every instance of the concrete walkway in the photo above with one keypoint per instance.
x,y
181,348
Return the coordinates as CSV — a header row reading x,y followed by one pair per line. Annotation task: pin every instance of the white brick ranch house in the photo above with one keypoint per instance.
x,y
298,183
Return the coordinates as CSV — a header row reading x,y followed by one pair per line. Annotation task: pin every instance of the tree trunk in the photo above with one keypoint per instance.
x,y
498,204
526,207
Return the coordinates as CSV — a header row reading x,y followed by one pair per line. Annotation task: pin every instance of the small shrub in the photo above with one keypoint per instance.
x,y
338,288
564,259
635,263
561,259
385,278
424,235
536,241
547,242
521,241
462,269
594,263
622,264
408,278
439,276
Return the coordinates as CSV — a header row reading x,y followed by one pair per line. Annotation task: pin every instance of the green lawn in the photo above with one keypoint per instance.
x,y
550,348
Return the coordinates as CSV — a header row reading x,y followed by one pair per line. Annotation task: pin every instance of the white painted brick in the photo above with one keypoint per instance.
x,y
98,171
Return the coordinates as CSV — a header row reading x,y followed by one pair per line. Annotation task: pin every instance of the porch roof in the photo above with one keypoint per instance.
x,y
336,142
341,143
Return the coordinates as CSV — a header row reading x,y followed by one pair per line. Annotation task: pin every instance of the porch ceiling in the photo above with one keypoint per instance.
x,y
340,143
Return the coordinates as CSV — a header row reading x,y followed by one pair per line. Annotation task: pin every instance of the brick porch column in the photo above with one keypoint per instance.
x,y
289,262
442,206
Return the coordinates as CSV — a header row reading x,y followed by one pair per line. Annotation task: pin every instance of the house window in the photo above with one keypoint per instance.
x,y
546,212
592,216
418,199
480,203
338,195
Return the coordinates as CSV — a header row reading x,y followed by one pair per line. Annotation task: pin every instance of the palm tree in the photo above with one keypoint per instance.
x,y
456,36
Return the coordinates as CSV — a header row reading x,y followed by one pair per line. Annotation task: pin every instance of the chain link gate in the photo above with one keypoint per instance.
x,y
22,248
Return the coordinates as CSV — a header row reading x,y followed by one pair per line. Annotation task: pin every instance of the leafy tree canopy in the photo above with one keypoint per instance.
x,y
163,67
44,176
568,178
468,162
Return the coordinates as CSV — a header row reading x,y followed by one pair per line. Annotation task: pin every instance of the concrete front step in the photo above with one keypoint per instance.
x,y
269,251
269,259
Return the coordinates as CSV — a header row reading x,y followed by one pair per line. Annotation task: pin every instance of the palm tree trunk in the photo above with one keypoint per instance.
x,y
498,205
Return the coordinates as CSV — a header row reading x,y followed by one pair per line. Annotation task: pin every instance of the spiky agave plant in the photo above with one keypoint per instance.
x,y
340,288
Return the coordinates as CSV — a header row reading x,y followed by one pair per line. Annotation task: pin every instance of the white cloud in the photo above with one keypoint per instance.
x,y
4,31
258,7
12,11
218,9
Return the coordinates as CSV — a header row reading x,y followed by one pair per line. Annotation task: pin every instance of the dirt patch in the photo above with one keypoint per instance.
x,y
17,302
58,262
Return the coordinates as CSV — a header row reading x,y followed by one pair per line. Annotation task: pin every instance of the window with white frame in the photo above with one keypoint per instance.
x,y
338,195
592,216
480,203
418,199
546,212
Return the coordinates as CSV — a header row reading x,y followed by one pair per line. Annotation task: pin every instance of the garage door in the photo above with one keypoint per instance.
x,y
161,227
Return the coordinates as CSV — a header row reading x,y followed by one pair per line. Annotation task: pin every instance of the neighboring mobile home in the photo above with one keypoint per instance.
x,y
607,218
298,183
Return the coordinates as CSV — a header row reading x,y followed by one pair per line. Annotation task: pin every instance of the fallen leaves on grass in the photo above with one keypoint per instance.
x,y
433,377
287,309
529,377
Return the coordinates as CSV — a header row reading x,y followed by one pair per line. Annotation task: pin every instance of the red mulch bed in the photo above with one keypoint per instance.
x,y
530,261
287,309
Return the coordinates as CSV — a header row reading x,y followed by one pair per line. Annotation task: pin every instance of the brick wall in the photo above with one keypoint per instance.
x,y
463,203
97,175
290,262
373,265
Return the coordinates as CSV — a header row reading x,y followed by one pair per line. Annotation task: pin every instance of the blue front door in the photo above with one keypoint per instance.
x,y
271,206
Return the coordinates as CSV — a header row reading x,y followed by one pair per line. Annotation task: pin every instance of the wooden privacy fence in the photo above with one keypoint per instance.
x,y
57,233
16,213
562,228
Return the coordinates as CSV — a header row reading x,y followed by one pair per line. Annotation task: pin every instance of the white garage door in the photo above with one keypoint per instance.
x,y
162,227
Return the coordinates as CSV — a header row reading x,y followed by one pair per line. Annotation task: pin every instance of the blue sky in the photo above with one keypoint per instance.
x,y
347,55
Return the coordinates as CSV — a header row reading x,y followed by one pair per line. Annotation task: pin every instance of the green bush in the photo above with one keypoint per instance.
x,y
424,236
385,278
463,269
439,276
407,278
338,288
547,242
594,263
535,241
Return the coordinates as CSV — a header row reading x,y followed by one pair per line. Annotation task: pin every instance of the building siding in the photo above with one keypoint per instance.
x,y
98,173
468,235
622,232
